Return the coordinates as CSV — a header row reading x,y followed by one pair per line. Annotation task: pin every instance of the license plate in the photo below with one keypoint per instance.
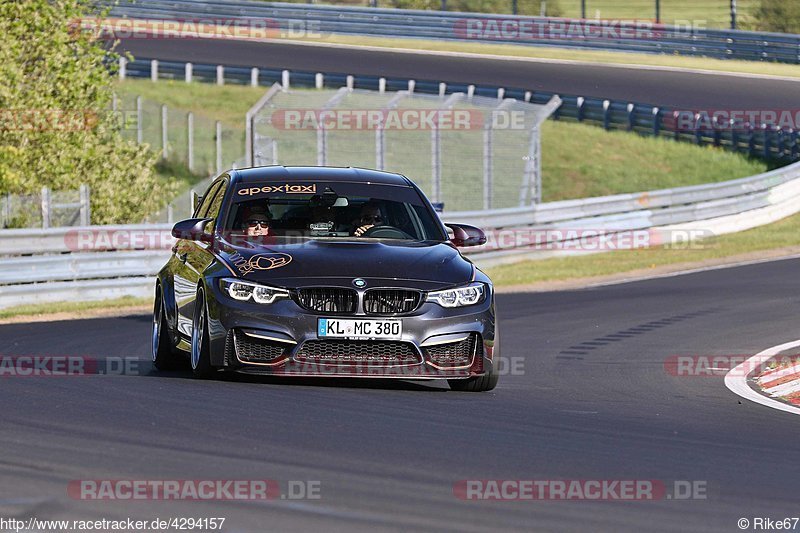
x,y
336,328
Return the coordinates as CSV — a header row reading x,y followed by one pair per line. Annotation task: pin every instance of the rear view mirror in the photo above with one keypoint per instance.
x,y
465,235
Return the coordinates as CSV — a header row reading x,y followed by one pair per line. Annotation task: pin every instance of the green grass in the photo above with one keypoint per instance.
x,y
226,103
780,234
73,307
578,160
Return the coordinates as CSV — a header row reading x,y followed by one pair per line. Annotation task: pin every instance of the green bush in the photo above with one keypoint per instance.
x,y
778,15
56,129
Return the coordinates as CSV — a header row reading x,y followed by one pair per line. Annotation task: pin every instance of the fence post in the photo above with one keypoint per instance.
x,y
733,14
411,85
249,141
470,91
139,120
580,101
436,164
220,75
501,93
442,89
187,75
656,122
274,145
254,77
285,80
631,116
123,65
190,141
382,85
380,147
154,70
218,126
528,95
114,102
583,9
350,82
86,210
170,215
768,133
45,208
6,209
488,162
319,80
658,11
322,148
164,139
606,114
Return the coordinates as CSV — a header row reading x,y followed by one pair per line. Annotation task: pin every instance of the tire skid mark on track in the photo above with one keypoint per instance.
x,y
586,346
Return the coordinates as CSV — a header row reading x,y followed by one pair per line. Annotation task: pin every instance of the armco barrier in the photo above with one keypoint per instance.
x,y
492,28
36,269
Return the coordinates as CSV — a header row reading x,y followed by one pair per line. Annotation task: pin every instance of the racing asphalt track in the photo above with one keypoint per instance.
x,y
586,406
680,90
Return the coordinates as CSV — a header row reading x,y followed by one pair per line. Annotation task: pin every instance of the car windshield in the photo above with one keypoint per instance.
x,y
331,211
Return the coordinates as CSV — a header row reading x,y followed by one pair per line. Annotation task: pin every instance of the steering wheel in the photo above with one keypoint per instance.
x,y
386,232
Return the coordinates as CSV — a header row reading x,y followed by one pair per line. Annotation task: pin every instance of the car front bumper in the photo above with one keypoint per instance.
x,y
436,342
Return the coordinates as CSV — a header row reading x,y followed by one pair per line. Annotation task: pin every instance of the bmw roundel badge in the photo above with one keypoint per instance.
x,y
359,283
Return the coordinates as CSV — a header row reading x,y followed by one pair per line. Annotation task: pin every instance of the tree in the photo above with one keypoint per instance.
x,y
778,15
56,128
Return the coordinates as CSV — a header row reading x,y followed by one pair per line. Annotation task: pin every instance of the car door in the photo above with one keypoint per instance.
x,y
188,264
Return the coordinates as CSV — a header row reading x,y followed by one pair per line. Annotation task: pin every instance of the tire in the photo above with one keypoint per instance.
x,y
200,355
477,384
164,357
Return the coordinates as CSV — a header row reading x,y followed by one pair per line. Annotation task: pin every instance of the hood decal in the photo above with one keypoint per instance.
x,y
265,261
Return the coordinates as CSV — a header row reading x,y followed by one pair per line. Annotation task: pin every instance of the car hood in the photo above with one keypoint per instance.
x,y
424,265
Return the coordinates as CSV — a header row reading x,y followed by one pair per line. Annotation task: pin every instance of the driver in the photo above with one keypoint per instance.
x,y
369,217
256,225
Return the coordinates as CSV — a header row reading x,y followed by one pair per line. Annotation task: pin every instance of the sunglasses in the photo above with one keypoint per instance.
x,y
259,223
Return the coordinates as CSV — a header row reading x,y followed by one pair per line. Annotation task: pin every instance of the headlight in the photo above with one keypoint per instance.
x,y
459,297
244,290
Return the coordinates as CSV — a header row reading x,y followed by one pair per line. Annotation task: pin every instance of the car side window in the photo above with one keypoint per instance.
x,y
202,209
216,204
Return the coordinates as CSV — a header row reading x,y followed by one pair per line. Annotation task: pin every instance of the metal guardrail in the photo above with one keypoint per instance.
x,y
381,22
32,273
644,119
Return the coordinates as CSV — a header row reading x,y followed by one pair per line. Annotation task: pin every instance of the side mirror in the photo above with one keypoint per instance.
x,y
465,235
192,229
